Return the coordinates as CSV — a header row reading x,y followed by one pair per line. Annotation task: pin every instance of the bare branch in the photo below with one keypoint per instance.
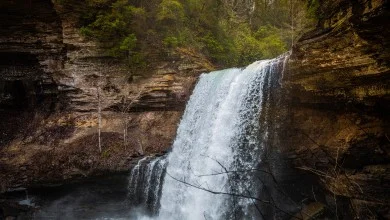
x,y
257,208
317,172
235,171
218,192
220,164
234,195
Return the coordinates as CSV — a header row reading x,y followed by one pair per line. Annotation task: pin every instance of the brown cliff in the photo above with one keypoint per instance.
x,y
49,82
336,93
334,108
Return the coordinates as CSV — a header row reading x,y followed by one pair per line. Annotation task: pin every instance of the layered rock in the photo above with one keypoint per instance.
x,y
337,94
31,50
65,78
334,108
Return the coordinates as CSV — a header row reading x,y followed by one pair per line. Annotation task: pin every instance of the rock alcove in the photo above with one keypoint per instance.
x,y
24,90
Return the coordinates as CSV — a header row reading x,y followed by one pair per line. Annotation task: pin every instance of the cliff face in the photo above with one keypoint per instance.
x,y
337,99
52,81
334,109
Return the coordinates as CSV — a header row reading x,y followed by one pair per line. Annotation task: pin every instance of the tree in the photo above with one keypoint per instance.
x,y
99,120
170,11
127,104
117,28
99,109
221,29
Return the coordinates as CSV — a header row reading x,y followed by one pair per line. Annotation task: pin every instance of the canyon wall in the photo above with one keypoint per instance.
x,y
333,119
52,82
336,104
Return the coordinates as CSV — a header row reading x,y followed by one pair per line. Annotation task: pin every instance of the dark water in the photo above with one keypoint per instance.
x,y
97,198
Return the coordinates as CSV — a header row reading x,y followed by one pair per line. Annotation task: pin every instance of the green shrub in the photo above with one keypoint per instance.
x,y
220,50
171,42
129,43
270,41
116,27
171,11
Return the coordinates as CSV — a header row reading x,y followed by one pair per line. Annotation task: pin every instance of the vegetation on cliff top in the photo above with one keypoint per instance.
x,y
229,32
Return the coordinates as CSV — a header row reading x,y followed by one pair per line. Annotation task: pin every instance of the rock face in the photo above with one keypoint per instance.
x,y
52,81
335,123
333,114
31,49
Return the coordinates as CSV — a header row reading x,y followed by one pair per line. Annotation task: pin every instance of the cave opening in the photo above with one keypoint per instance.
x,y
13,109
26,92
14,95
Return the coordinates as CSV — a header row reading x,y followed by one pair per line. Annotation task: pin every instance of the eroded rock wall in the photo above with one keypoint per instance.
x,y
337,103
334,109
66,77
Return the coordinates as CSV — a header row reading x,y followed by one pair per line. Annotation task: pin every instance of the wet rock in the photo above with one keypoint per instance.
x,y
12,210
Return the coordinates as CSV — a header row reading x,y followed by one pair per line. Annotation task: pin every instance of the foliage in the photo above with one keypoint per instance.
x,y
227,32
171,42
171,11
116,27
270,41
129,43
312,8
219,49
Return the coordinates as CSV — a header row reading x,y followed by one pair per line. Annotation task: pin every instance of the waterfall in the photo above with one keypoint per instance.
x,y
210,170
145,183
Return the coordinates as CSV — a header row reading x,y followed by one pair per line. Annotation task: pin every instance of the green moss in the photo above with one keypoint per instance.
x,y
106,153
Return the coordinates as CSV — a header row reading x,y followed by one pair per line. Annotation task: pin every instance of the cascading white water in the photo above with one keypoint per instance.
x,y
217,146
145,183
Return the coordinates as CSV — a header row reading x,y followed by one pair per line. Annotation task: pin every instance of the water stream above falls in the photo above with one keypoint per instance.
x,y
210,172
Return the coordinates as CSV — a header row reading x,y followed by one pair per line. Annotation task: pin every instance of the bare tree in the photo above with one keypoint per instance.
x,y
99,109
127,104
99,119
247,195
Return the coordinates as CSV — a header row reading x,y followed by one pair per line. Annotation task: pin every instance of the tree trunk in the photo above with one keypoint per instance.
x,y
99,120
